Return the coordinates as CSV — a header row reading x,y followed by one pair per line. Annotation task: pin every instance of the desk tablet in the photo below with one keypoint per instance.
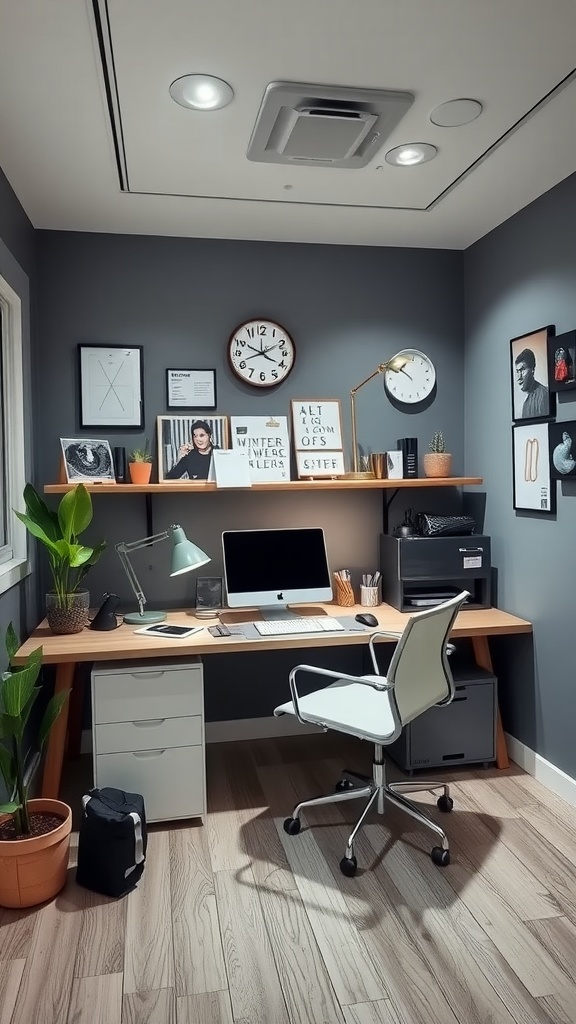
x,y
170,632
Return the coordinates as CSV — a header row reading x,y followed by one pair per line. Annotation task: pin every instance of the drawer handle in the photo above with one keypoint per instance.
x,y
147,675
463,550
148,753
150,724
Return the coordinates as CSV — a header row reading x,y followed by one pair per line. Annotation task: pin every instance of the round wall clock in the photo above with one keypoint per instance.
x,y
261,353
414,382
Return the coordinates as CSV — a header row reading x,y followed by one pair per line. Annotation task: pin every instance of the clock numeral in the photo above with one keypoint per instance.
x,y
251,370
262,375
275,374
284,355
239,341
243,365
250,332
262,330
238,352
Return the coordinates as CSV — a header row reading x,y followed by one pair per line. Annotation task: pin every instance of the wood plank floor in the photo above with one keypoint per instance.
x,y
237,923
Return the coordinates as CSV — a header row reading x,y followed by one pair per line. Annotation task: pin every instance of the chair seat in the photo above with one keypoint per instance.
x,y
348,707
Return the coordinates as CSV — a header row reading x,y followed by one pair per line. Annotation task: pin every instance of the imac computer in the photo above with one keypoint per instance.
x,y
274,568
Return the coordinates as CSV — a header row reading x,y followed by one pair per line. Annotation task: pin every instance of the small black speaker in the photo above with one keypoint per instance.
x,y
409,448
120,465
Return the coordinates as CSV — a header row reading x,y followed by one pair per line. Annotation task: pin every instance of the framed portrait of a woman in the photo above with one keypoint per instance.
x,y
534,488
186,443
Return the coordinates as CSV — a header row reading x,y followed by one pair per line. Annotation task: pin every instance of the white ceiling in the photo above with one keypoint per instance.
x,y
187,171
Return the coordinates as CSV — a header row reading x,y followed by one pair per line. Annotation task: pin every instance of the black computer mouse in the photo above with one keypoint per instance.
x,y
366,618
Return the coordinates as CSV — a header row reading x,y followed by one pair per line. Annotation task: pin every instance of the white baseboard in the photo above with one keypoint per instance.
x,y
542,770
237,729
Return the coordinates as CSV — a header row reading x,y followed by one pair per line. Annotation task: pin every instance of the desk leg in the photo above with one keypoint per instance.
x,y
483,658
57,737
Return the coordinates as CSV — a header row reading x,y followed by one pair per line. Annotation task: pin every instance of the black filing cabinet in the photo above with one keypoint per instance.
x,y
419,571
462,732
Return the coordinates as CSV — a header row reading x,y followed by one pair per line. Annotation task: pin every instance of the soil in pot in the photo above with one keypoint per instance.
x,y
69,614
41,822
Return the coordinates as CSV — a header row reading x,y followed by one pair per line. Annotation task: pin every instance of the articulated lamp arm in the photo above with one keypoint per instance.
x,y
396,363
123,550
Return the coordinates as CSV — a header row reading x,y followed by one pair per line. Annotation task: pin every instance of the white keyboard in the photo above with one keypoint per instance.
x,y
281,627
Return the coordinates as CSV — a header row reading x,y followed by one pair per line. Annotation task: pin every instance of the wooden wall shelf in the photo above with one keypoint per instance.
x,y
203,486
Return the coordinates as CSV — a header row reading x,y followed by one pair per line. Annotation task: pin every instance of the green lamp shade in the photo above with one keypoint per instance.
x,y
185,554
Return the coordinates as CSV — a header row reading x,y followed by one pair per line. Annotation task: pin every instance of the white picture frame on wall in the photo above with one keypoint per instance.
x,y
111,385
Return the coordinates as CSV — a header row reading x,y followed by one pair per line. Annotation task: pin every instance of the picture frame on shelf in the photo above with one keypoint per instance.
x,y
185,445
87,460
562,446
532,398
111,386
562,361
316,424
533,487
190,389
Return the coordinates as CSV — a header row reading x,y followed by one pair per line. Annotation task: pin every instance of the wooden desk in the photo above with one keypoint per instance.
x,y
124,644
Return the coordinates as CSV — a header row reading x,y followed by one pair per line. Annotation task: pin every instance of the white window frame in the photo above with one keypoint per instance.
x,y
13,556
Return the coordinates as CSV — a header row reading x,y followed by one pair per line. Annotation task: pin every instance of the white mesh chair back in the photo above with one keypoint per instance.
x,y
419,669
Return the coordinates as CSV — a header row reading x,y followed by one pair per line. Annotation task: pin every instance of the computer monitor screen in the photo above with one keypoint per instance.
x,y
274,568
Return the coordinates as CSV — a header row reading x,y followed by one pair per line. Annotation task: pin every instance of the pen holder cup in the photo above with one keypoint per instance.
x,y
369,596
345,598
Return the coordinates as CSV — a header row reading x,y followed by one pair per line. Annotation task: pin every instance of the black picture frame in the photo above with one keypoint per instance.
x,y
562,369
208,593
190,388
111,386
562,448
532,398
534,489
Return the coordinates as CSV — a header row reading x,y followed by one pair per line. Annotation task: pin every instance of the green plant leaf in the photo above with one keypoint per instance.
x,y
12,642
9,808
79,555
8,725
53,709
18,687
38,531
75,512
7,768
39,513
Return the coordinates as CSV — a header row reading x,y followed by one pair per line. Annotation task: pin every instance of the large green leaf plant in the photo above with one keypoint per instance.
x,y
59,531
18,692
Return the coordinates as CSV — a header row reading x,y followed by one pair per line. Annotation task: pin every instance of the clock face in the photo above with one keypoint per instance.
x,y
261,353
414,382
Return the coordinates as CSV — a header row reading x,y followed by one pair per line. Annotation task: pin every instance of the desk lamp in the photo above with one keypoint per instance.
x,y
396,363
185,556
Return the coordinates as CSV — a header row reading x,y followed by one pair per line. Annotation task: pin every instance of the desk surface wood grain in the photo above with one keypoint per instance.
x,y
124,644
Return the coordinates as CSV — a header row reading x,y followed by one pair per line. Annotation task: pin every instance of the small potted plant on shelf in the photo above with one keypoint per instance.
x,y
66,605
34,833
140,465
437,462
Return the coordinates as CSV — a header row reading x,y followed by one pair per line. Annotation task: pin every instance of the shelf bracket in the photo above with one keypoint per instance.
x,y
387,499
149,517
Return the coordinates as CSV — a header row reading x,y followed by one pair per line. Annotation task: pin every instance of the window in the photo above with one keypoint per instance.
x,y
13,566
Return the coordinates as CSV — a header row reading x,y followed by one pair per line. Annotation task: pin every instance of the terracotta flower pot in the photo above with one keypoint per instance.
x,y
437,464
33,870
140,472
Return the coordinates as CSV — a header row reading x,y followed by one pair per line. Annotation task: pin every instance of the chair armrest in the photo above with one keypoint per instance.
x,y
381,632
379,683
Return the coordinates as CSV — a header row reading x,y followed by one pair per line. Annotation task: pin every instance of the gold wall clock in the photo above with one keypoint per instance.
x,y
261,353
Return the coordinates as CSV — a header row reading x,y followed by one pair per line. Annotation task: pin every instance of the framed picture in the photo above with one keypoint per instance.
x,y
531,396
562,361
87,459
191,389
317,424
562,445
533,487
185,445
111,386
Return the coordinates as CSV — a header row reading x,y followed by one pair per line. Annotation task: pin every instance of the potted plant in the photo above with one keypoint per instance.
x,y
140,465
34,834
437,462
66,605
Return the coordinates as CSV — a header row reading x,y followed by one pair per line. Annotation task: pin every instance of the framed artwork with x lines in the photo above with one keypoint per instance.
x,y
111,386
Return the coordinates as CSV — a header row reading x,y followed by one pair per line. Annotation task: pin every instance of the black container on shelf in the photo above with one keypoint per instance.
x,y
120,465
409,448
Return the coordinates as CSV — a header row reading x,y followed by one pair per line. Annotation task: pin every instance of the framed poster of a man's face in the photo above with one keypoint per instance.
x,y
186,443
531,396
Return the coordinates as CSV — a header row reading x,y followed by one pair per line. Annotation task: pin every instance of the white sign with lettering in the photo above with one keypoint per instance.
x,y
316,464
317,424
265,440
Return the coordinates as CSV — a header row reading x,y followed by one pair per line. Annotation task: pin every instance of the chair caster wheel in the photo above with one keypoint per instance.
x,y
444,803
343,786
292,826
348,866
440,857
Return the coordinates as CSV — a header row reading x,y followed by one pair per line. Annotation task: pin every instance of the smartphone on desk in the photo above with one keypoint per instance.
x,y
169,631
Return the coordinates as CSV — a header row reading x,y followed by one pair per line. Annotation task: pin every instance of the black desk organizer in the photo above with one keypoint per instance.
x,y
418,572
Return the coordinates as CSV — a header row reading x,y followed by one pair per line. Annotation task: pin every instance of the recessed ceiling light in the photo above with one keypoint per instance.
x,y
201,92
411,154
453,113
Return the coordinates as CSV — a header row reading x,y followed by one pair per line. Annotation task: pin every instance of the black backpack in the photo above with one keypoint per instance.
x,y
112,841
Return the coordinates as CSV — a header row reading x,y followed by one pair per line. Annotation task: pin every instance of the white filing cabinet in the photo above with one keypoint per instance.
x,y
148,733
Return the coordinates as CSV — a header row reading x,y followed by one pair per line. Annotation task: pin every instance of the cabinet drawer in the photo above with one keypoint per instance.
x,y
463,731
148,734
436,557
170,780
144,693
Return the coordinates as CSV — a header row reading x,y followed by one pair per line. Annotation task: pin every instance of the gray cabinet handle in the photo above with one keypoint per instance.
x,y
148,753
147,675
470,549
151,723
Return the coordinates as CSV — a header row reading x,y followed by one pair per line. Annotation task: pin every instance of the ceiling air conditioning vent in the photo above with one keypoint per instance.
x,y
330,126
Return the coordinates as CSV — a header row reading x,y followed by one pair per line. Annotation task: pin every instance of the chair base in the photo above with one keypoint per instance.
x,y
353,786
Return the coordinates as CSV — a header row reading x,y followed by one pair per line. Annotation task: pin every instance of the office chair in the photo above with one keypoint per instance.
x,y
376,708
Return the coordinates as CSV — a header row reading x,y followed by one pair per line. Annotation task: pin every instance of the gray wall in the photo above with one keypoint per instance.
x,y
347,308
517,279
17,266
